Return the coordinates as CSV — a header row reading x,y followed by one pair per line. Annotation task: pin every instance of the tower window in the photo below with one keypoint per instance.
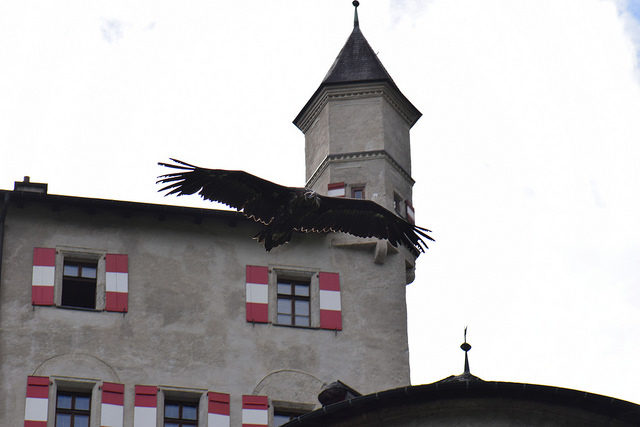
x,y
73,409
293,302
397,204
180,414
357,192
79,284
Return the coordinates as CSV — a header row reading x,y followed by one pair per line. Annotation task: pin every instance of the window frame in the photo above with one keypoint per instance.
x,y
398,205
182,422
75,385
286,413
293,409
358,187
195,396
83,256
79,279
73,412
293,297
309,275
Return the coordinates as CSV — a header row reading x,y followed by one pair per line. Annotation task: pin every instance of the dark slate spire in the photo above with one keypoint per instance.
x,y
356,62
466,376
355,4
465,346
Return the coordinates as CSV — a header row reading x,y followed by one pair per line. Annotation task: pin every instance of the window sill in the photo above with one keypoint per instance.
x,y
70,307
283,325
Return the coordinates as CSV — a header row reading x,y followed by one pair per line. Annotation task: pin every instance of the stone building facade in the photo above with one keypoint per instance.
x,y
117,313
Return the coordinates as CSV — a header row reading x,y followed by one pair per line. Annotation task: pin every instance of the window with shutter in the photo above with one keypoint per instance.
x,y
43,276
336,189
257,294
85,279
255,411
218,410
117,283
37,402
112,408
146,403
330,305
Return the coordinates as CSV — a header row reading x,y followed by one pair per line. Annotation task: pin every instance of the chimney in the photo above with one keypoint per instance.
x,y
30,187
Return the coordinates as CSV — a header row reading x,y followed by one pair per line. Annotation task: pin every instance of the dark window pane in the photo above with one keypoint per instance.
x,y
63,420
302,307
78,293
83,402
284,288
302,290
284,319
302,320
81,421
172,410
71,270
64,401
280,419
190,412
284,306
171,424
89,272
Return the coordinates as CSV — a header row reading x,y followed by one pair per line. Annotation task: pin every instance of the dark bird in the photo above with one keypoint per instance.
x,y
283,210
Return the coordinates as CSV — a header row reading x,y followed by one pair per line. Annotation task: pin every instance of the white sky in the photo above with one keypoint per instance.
x,y
526,159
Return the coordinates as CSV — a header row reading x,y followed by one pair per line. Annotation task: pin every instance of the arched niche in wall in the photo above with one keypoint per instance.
x,y
292,386
77,365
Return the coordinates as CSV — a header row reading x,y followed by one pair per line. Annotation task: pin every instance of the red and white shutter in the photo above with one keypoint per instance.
x,y
411,214
112,410
37,404
337,189
255,411
44,276
146,403
117,284
330,307
257,289
218,413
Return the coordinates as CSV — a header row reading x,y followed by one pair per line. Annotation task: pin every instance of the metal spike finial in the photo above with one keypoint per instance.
x,y
355,4
465,346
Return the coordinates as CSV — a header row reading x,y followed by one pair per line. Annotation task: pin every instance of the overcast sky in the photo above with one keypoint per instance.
x,y
526,159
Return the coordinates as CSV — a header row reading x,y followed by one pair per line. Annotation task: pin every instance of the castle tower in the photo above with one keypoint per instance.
x,y
356,128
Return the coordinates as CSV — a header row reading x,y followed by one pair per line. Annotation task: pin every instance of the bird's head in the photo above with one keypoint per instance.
x,y
311,195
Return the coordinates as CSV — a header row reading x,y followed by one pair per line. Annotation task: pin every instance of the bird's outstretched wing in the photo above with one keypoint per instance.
x,y
256,197
363,218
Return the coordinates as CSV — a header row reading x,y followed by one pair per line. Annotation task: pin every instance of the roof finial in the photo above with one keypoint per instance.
x,y
355,4
466,347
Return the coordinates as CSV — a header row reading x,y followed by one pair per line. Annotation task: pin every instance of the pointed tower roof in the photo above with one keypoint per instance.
x,y
357,63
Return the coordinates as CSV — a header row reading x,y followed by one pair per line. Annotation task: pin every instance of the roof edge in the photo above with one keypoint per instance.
x,y
619,409
77,201
361,89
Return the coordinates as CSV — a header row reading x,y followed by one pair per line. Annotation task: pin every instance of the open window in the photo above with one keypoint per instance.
x,y
79,283
80,278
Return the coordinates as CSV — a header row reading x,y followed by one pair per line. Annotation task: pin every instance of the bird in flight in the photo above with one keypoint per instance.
x,y
283,210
